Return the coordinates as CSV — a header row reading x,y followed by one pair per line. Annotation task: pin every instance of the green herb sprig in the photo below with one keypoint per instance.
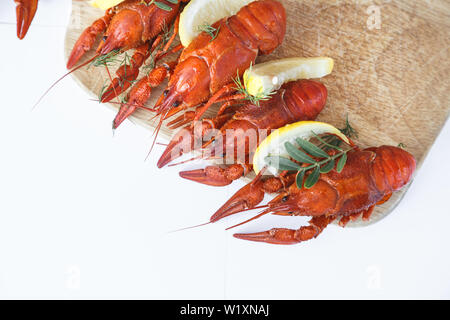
x,y
348,131
309,157
108,59
209,29
159,4
102,91
113,59
261,96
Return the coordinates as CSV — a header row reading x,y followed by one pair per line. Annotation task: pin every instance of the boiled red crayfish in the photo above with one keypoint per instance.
x,y
25,11
295,101
132,24
368,179
205,70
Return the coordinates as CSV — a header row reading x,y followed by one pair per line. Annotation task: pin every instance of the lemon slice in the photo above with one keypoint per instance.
x,y
105,4
273,145
267,77
201,12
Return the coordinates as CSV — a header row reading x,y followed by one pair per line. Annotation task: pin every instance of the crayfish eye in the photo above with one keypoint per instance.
x,y
104,38
176,104
166,92
285,198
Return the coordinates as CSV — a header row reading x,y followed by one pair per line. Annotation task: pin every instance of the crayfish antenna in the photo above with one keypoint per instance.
x,y
188,228
185,161
60,79
155,133
263,213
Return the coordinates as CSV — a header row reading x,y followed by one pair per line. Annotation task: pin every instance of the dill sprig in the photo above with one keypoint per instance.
x,y
310,158
151,64
166,34
261,96
159,4
102,91
126,62
348,131
209,29
108,59
123,99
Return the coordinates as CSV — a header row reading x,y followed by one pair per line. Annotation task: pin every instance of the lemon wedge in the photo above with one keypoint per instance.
x,y
205,12
104,4
273,145
268,77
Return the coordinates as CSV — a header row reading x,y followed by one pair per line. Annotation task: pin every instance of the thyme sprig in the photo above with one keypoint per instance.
x,y
308,157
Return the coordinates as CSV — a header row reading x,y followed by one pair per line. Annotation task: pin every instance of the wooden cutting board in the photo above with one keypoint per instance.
x,y
392,61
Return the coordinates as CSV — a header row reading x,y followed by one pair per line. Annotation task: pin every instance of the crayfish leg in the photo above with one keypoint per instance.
x,y
140,94
223,95
191,138
289,236
366,214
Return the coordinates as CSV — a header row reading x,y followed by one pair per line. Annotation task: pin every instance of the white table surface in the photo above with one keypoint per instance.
x,y
83,216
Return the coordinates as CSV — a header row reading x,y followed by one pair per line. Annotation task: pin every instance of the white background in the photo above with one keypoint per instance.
x,y
83,216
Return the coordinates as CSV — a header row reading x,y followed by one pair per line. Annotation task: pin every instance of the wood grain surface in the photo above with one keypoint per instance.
x,y
391,71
